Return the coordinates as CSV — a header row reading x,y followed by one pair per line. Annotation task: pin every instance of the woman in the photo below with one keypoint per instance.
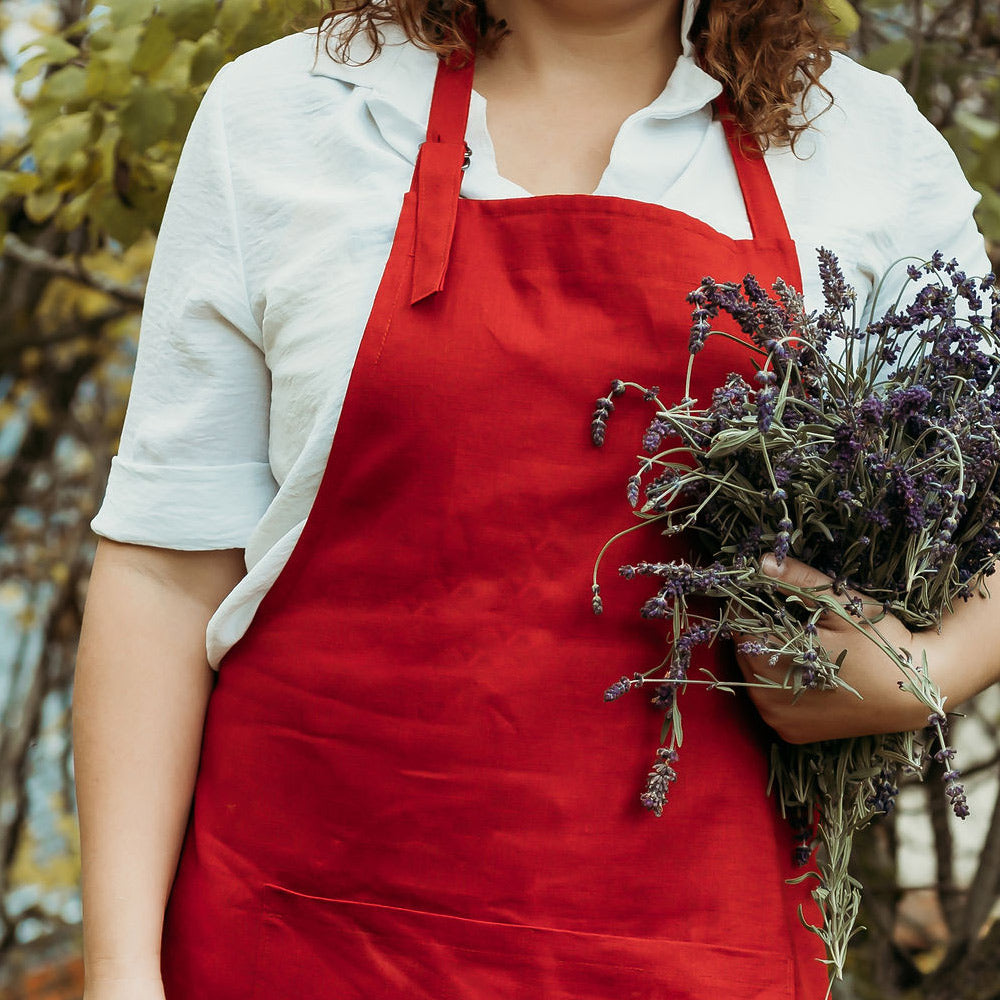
x,y
405,782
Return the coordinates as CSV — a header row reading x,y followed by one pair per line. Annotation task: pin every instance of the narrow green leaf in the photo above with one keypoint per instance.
x,y
55,48
28,70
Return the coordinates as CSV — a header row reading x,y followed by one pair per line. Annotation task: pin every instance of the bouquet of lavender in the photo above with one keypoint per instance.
x,y
870,451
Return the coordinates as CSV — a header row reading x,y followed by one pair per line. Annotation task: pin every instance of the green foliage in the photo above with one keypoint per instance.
x,y
947,53
116,99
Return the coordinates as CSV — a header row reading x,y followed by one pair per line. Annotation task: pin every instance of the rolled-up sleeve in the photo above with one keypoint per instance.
x,y
192,469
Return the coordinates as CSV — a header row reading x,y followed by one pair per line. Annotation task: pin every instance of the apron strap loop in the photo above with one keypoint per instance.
x,y
767,221
437,178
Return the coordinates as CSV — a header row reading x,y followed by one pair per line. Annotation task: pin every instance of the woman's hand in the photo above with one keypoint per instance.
x,y
837,714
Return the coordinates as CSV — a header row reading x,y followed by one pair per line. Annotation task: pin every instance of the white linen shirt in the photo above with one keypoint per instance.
x,y
278,227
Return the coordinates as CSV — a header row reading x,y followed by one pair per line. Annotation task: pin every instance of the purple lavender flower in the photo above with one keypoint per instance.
x,y
802,833
655,433
620,687
658,783
632,490
599,422
663,696
839,296
766,396
783,539
655,607
846,448
871,412
910,401
956,793
884,791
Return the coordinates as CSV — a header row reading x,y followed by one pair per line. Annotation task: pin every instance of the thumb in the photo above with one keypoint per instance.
x,y
793,572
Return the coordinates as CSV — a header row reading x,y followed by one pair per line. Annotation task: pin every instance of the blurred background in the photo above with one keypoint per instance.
x,y
95,102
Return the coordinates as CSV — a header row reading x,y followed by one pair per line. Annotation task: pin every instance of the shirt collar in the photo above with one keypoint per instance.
x,y
399,81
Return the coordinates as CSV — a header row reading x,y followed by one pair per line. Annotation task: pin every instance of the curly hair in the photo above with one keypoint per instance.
x,y
766,53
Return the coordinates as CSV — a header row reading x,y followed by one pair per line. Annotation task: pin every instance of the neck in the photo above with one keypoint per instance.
x,y
631,42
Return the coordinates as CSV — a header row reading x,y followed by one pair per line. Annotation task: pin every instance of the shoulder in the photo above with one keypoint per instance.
x,y
862,104
298,91
275,78
309,58
869,149
870,118
874,176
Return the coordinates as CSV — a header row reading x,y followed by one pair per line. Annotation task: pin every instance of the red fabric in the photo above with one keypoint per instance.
x,y
410,786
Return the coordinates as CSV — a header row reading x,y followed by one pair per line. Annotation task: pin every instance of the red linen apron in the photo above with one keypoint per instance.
x,y
410,785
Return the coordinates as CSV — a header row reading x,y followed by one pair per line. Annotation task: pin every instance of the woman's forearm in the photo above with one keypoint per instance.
x,y
141,687
964,656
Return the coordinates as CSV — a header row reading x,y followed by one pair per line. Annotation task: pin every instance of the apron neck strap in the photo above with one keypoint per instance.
x,y
767,221
437,177
449,115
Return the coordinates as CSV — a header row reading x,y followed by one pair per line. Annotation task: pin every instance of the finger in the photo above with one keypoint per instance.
x,y
792,572
792,575
760,655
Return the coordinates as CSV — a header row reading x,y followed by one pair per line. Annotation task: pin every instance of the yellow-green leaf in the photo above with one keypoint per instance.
x,y
185,106
844,17
174,73
234,15
207,59
55,48
106,146
115,76
28,70
890,56
73,212
146,118
118,220
39,205
17,182
189,18
126,12
59,138
156,45
66,85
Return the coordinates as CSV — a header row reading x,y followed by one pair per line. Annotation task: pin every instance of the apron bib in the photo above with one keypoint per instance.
x,y
410,786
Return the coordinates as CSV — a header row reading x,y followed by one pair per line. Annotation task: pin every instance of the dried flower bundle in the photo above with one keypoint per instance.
x,y
870,451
